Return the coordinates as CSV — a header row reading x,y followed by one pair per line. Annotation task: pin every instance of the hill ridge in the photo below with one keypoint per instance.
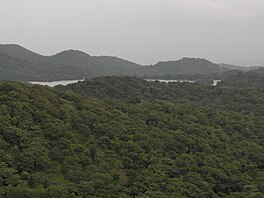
x,y
75,64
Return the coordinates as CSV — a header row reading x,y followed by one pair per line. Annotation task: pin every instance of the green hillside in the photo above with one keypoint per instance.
x,y
20,64
251,79
57,143
225,96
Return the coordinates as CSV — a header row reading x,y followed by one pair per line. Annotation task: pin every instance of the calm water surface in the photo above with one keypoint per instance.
x,y
55,83
66,82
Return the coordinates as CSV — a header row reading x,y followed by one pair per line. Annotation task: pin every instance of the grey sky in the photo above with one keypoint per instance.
x,y
143,31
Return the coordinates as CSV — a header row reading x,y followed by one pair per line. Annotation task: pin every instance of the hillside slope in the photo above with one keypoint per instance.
x,y
185,66
60,144
18,63
239,68
246,100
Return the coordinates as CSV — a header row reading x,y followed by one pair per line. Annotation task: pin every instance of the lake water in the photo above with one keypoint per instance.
x,y
67,82
215,82
167,81
55,83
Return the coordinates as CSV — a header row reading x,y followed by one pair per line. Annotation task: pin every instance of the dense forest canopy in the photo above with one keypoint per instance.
x,y
126,137
227,95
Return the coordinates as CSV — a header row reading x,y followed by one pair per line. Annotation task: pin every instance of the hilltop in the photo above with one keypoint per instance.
x,y
20,64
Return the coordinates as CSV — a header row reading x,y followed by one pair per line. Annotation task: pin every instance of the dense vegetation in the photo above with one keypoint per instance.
x,y
125,137
253,79
132,90
20,64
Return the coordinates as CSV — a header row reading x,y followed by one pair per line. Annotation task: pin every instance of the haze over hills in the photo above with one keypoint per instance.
x,y
18,63
259,63
240,68
69,64
185,66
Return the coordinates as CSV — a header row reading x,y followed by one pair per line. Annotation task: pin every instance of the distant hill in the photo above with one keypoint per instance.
x,y
12,68
250,79
17,51
248,63
185,66
236,84
18,63
240,68
260,70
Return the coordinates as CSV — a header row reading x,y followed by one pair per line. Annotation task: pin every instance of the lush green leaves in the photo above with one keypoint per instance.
x,y
166,143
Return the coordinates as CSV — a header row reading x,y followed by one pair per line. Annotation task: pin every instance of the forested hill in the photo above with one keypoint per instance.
x,y
56,143
184,67
20,64
133,90
239,68
251,79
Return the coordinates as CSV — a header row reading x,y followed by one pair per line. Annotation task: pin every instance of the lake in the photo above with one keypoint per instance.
x,y
214,83
67,82
55,83
167,81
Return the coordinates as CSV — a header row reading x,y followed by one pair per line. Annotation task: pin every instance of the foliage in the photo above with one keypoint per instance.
x,y
132,90
56,143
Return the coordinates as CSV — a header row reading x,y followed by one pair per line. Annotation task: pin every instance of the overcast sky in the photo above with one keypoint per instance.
x,y
143,31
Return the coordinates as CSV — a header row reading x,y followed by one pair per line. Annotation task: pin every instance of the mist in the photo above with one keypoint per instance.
x,y
142,31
